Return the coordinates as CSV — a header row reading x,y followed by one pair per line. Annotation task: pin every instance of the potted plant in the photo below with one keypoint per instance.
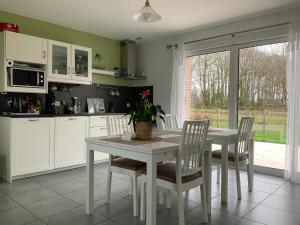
x,y
144,116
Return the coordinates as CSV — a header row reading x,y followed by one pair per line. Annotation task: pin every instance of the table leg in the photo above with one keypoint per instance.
x,y
151,193
89,205
224,182
207,177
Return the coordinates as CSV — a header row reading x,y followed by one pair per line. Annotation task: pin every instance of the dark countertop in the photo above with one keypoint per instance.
x,y
58,115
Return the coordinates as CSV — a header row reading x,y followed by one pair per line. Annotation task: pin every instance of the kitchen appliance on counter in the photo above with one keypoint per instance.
x,y
25,74
95,105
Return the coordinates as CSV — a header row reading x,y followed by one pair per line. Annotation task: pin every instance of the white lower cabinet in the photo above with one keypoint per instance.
x,y
32,145
69,140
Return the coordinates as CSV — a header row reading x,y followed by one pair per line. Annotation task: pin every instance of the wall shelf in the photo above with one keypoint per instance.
x,y
103,72
112,74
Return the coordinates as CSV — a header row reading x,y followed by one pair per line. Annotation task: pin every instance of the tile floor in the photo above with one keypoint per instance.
x,y
58,199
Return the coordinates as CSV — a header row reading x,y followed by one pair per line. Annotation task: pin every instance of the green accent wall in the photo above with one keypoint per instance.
x,y
108,47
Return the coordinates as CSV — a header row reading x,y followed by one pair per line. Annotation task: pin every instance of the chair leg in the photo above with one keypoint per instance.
x,y
180,207
168,199
218,173
108,185
135,196
250,177
238,179
203,203
130,186
160,196
142,203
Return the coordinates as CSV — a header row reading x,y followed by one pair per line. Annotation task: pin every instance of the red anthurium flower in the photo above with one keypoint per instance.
x,y
146,93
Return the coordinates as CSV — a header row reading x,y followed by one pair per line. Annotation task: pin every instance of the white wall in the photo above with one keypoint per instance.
x,y
156,60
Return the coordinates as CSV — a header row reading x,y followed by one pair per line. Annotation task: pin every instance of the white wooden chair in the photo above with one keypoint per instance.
x,y
187,172
241,152
170,122
117,125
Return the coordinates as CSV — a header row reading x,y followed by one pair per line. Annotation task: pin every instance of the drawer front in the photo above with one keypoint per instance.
x,y
98,131
98,121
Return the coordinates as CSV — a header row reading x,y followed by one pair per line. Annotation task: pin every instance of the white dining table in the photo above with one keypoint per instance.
x,y
164,147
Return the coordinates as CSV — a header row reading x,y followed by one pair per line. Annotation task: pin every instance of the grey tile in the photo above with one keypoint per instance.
x,y
75,216
283,203
268,179
108,222
289,190
262,186
115,208
273,216
30,196
233,206
16,216
6,203
50,206
53,178
121,187
80,195
254,196
99,178
66,186
247,222
17,186
38,222
216,218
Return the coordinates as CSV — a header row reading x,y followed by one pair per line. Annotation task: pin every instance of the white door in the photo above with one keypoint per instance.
x,y
70,134
32,144
81,63
99,132
25,48
59,61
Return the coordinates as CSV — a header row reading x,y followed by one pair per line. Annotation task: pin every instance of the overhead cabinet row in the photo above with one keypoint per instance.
x,y
23,56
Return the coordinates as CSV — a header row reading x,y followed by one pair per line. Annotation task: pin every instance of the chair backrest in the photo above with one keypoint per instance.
x,y
117,125
194,134
170,122
244,134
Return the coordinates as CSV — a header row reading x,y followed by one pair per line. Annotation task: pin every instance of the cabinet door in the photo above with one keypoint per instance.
x,y
59,60
32,144
81,63
70,134
26,48
99,132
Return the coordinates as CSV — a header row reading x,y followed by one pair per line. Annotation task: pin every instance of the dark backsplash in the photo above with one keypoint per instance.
x,y
119,104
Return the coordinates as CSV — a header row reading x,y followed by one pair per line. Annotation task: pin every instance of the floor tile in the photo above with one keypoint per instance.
x,y
263,186
66,186
233,206
16,216
99,178
254,196
273,216
289,190
50,206
38,222
34,195
80,195
52,178
115,208
17,186
268,179
247,222
6,203
283,203
108,222
75,216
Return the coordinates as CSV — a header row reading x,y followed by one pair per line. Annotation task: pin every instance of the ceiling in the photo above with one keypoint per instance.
x,y
113,18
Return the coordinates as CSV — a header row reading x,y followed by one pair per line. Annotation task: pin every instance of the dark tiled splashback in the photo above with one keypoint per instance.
x,y
66,92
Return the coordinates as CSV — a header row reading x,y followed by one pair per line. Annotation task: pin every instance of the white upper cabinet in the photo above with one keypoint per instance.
x,y
25,48
69,63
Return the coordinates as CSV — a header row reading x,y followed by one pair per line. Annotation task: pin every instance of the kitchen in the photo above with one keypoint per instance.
x,y
77,88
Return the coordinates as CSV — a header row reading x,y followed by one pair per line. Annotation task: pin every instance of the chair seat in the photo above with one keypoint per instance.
x,y
217,154
167,172
128,164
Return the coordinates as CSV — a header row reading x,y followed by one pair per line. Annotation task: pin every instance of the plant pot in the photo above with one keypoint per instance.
x,y
143,130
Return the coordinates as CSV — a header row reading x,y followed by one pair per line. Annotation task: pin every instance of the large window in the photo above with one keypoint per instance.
x,y
243,80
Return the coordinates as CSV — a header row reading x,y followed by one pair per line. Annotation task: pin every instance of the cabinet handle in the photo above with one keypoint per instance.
x,y
73,70
69,70
72,118
44,54
33,120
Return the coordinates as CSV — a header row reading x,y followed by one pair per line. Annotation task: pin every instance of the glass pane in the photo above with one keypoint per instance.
x,y
207,85
59,60
262,93
81,63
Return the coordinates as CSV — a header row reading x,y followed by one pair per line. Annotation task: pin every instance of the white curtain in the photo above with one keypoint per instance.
x,y
292,171
178,83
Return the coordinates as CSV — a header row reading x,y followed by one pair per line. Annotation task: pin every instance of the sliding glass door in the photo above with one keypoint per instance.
x,y
241,80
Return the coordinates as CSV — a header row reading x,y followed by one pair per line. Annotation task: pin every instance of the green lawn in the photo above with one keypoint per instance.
x,y
270,125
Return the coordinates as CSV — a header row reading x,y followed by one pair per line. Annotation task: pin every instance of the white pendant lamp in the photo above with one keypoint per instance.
x,y
147,14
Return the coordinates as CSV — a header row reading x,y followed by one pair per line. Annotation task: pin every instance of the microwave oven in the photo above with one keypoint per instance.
x,y
24,75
